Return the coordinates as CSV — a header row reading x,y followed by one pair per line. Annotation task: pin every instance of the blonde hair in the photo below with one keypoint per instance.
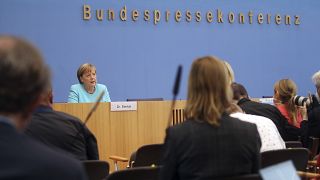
x,y
286,89
86,67
229,71
209,91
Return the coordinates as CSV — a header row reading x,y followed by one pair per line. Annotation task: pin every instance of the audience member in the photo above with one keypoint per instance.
x,y
210,144
24,77
288,132
284,92
316,81
314,111
269,134
87,91
62,131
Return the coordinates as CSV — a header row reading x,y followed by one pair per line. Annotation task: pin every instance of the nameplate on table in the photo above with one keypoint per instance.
x,y
124,106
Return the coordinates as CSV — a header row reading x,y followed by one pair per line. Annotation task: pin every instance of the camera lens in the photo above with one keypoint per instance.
x,y
300,100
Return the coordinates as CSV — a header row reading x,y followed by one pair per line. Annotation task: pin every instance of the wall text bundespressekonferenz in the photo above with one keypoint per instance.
x,y
211,16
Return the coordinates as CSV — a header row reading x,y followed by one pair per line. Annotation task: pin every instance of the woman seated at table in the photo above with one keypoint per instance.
x,y
87,91
210,144
284,92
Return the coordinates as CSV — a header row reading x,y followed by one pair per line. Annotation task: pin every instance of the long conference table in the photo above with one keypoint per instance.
x,y
122,132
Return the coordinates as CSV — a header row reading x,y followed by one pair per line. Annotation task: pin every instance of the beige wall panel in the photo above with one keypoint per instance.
x,y
152,121
121,133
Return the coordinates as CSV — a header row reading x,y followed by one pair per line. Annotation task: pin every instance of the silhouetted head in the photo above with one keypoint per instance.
x,y
239,91
24,76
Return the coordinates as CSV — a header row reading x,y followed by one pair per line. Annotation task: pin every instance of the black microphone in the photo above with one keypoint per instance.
x,y
177,82
175,92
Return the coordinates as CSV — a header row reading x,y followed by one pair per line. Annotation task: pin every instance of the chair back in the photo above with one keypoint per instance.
x,y
293,144
313,147
139,173
96,169
147,155
299,157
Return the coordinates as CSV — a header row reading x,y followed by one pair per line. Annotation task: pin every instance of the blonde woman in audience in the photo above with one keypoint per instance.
x,y
210,144
284,92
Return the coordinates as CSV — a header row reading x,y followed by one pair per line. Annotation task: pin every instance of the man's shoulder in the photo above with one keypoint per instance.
x,y
67,116
257,105
56,164
60,113
37,161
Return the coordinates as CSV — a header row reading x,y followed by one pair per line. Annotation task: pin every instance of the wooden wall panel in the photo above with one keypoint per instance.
x,y
121,133
152,121
99,124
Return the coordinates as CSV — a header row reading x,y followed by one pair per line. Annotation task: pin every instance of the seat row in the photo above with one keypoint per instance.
x,y
144,164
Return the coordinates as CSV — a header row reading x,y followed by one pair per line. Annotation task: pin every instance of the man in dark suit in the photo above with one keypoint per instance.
x,y
314,121
287,131
314,109
23,78
61,131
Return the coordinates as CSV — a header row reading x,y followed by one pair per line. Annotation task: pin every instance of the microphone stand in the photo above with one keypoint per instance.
x,y
94,107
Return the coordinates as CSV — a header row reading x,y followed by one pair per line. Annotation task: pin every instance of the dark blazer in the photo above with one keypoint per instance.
x,y
314,122
314,118
23,158
63,132
198,150
287,131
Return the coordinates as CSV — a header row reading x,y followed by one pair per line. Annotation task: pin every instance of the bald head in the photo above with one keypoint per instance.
x,y
23,77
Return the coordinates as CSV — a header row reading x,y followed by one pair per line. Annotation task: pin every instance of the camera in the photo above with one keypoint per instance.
x,y
300,100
